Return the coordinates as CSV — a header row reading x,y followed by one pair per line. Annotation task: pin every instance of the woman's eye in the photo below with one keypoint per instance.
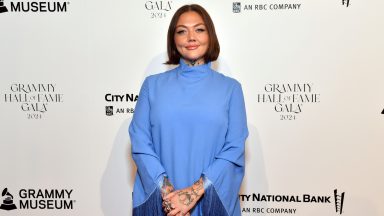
x,y
200,30
180,31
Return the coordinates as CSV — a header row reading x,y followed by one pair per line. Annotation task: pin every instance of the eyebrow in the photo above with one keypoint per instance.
x,y
192,26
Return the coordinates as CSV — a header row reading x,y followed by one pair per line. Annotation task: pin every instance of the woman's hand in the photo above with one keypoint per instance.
x,y
168,206
166,188
182,201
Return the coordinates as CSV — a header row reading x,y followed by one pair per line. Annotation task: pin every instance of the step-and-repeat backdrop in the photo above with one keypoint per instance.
x,y
311,72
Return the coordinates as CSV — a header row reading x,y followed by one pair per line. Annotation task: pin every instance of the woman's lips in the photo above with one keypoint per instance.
x,y
192,47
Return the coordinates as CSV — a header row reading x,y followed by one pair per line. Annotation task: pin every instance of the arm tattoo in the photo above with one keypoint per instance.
x,y
166,182
197,186
167,186
186,197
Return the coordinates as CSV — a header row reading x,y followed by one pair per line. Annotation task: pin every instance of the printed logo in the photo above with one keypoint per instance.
x,y
2,7
33,99
158,9
7,201
345,2
109,110
34,6
41,199
256,203
339,201
288,99
236,7
120,98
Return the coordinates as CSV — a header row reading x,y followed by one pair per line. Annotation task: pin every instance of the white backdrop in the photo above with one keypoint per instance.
x,y
60,70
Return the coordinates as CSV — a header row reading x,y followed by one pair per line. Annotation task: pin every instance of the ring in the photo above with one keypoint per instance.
x,y
167,206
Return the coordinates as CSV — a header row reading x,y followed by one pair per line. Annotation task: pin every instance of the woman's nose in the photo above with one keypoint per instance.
x,y
191,36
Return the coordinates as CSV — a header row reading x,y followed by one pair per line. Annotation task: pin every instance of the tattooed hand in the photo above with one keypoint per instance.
x,y
182,201
166,188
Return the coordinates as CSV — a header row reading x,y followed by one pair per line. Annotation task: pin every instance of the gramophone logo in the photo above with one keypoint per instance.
x,y
7,201
2,7
339,201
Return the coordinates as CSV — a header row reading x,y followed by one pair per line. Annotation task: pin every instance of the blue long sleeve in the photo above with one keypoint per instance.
x,y
189,122
228,166
150,170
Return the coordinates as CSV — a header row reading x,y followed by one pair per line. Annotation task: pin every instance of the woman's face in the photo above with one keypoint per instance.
x,y
191,36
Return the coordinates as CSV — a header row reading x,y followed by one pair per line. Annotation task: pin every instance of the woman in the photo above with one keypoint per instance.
x,y
189,128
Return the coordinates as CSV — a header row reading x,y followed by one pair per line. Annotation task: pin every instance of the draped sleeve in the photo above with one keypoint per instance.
x,y
223,177
150,171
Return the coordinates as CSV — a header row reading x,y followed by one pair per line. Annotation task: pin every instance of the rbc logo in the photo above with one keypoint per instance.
x,y
109,110
236,8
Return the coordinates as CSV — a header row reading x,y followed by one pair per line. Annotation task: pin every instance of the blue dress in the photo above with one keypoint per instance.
x,y
189,122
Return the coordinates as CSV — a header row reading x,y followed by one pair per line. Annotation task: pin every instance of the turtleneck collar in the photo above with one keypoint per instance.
x,y
194,71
